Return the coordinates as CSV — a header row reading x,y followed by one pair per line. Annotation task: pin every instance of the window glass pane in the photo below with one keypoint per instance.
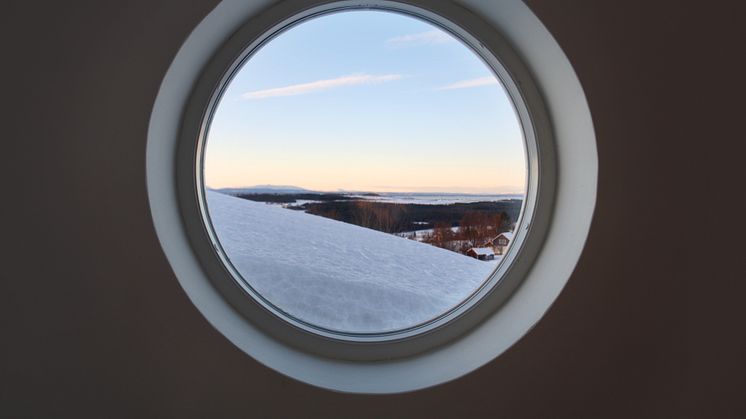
x,y
364,172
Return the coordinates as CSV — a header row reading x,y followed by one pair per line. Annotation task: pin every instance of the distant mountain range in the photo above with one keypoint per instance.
x,y
266,189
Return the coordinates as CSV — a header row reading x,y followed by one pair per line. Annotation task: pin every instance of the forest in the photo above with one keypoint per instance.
x,y
399,217
456,226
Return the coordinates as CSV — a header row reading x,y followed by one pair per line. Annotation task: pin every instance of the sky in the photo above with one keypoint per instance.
x,y
366,101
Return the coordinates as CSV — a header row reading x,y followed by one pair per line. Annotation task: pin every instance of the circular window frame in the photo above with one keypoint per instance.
x,y
194,253
538,143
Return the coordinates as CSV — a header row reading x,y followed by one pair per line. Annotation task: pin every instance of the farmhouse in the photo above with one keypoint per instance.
x,y
481,253
501,242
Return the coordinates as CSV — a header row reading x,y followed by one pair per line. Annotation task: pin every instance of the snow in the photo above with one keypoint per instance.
x,y
301,202
265,189
340,276
420,235
508,235
482,251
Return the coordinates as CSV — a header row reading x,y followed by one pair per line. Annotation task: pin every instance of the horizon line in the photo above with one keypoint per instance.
x,y
358,191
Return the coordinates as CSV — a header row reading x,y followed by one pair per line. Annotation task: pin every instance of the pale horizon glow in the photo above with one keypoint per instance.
x,y
329,105
496,190
318,85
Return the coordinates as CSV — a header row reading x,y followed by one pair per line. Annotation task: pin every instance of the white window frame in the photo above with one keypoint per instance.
x,y
562,170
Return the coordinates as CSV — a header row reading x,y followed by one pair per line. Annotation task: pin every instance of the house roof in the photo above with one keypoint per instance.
x,y
508,235
482,251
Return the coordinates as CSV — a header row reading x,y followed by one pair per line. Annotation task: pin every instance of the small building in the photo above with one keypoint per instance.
x,y
501,242
481,253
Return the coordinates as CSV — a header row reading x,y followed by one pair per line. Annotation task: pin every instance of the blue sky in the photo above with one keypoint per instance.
x,y
366,100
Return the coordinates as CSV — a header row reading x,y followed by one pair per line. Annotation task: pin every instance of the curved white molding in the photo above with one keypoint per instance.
x,y
574,203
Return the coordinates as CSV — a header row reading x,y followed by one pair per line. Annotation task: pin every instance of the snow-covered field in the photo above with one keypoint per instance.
x,y
340,276
421,234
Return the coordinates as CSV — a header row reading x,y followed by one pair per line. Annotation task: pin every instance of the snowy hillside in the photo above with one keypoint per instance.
x,y
337,275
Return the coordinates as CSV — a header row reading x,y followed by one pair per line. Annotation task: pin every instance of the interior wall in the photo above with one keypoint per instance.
x,y
95,324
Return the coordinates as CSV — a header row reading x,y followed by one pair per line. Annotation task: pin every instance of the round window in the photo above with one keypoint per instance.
x,y
371,196
364,173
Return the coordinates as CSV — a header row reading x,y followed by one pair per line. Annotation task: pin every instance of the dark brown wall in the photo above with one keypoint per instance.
x,y
94,324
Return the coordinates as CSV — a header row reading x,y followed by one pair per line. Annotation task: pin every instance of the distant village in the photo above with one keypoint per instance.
x,y
485,250
482,235
497,246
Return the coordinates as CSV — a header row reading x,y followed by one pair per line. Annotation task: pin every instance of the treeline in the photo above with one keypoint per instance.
x,y
395,218
475,230
386,217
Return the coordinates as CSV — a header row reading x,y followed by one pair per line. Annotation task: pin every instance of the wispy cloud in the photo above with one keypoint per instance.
x,y
422,38
465,84
318,85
